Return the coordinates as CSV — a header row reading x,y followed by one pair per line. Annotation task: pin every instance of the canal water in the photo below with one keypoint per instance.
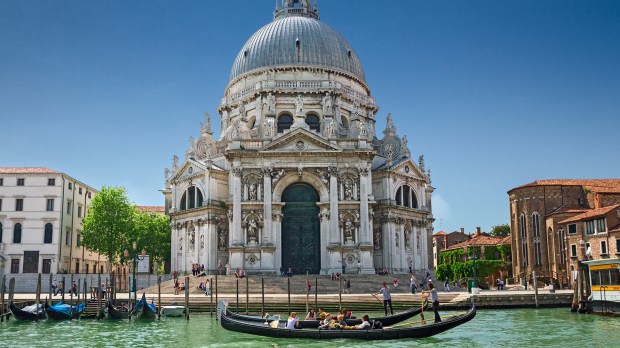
x,y
490,328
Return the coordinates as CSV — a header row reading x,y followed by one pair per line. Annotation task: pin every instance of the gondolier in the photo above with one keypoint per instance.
x,y
387,298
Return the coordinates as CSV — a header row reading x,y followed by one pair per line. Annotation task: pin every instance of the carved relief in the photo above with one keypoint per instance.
x,y
377,239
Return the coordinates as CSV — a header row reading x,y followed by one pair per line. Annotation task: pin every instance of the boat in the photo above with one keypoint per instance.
x,y
419,329
117,312
63,311
604,279
173,310
33,312
144,310
313,324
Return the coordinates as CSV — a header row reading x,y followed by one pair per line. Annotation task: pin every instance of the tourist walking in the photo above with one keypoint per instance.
x,y
208,288
434,299
413,284
54,287
347,285
387,298
446,286
308,286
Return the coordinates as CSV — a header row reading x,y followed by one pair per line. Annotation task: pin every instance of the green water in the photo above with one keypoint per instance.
x,y
490,328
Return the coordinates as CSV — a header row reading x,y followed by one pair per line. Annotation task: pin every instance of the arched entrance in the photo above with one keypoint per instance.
x,y
301,230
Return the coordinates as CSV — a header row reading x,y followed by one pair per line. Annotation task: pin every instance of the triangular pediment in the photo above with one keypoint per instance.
x,y
189,168
300,140
408,168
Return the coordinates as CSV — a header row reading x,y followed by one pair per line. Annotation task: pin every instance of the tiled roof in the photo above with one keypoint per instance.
x,y
26,170
594,213
482,241
568,209
440,233
150,208
594,185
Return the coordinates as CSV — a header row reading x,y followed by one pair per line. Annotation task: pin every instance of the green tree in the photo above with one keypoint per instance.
x,y
109,224
500,230
152,233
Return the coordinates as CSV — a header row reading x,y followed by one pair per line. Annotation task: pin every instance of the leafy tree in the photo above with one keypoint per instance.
x,y
500,230
152,233
109,223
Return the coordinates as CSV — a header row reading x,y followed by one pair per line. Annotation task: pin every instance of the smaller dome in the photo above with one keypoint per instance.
x,y
297,41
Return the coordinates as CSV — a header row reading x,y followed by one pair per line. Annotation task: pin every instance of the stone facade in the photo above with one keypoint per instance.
x,y
40,222
539,242
307,124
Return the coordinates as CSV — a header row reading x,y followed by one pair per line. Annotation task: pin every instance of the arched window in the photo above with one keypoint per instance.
x,y
313,122
405,197
345,122
523,230
536,230
192,198
48,233
17,233
285,121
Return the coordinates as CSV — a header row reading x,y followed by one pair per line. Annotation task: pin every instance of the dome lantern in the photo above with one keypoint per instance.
x,y
303,8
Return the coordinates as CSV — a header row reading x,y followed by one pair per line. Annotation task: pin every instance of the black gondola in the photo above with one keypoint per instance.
x,y
423,330
61,311
115,312
313,324
144,310
33,312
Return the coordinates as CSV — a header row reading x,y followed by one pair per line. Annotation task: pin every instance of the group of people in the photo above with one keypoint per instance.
x,y
198,270
240,273
206,287
328,321
286,272
336,276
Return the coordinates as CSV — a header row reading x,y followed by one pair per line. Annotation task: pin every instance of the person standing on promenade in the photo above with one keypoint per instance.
x,y
308,286
413,284
387,298
434,299
446,286
54,287
347,285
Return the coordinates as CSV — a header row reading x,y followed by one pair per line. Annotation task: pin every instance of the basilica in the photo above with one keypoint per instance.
x,y
298,176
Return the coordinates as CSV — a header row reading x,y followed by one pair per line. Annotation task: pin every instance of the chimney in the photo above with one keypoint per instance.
x,y
477,231
597,201
462,230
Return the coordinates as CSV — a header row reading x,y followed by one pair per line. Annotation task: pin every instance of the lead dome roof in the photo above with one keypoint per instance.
x,y
297,41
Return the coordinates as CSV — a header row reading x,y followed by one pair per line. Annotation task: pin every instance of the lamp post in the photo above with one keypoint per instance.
x,y
134,260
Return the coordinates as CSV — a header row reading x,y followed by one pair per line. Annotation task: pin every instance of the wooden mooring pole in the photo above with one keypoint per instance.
x,y
2,285
288,279
71,297
50,288
262,291
237,290
187,297
247,295
11,289
159,297
211,297
535,285
316,294
340,294
38,294
216,303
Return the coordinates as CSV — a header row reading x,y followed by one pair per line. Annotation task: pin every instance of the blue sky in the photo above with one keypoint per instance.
x,y
495,94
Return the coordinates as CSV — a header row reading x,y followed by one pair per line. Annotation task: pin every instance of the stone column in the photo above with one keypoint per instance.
x,y
365,235
334,233
237,238
267,229
277,233
174,252
423,203
183,232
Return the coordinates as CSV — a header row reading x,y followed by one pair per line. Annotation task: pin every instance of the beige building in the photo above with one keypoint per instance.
x,y
299,176
41,211
540,213
444,240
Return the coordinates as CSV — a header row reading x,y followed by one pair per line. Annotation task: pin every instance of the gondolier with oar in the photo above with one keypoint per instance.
x,y
387,298
434,299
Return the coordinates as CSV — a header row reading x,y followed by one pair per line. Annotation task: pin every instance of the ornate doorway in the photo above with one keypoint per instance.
x,y
301,231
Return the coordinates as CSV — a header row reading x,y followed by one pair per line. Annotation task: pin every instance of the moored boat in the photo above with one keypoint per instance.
x,y
278,330
173,310
63,311
33,312
144,310
605,286
311,324
117,312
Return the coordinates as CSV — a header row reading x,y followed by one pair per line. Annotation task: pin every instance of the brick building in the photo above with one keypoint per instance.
x,y
538,214
444,240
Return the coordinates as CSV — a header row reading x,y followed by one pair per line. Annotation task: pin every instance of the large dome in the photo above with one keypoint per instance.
x,y
297,41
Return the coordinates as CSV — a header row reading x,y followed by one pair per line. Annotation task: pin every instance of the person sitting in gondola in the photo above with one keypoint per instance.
x,y
341,321
323,314
365,325
293,322
311,314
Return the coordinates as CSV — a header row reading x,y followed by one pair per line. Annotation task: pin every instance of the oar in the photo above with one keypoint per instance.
x,y
422,313
375,296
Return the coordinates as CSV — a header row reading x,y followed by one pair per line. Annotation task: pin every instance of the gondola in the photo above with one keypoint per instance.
x,y
34,312
63,311
420,330
313,324
144,310
117,312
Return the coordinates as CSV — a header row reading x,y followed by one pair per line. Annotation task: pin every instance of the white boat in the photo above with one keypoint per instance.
x,y
173,311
